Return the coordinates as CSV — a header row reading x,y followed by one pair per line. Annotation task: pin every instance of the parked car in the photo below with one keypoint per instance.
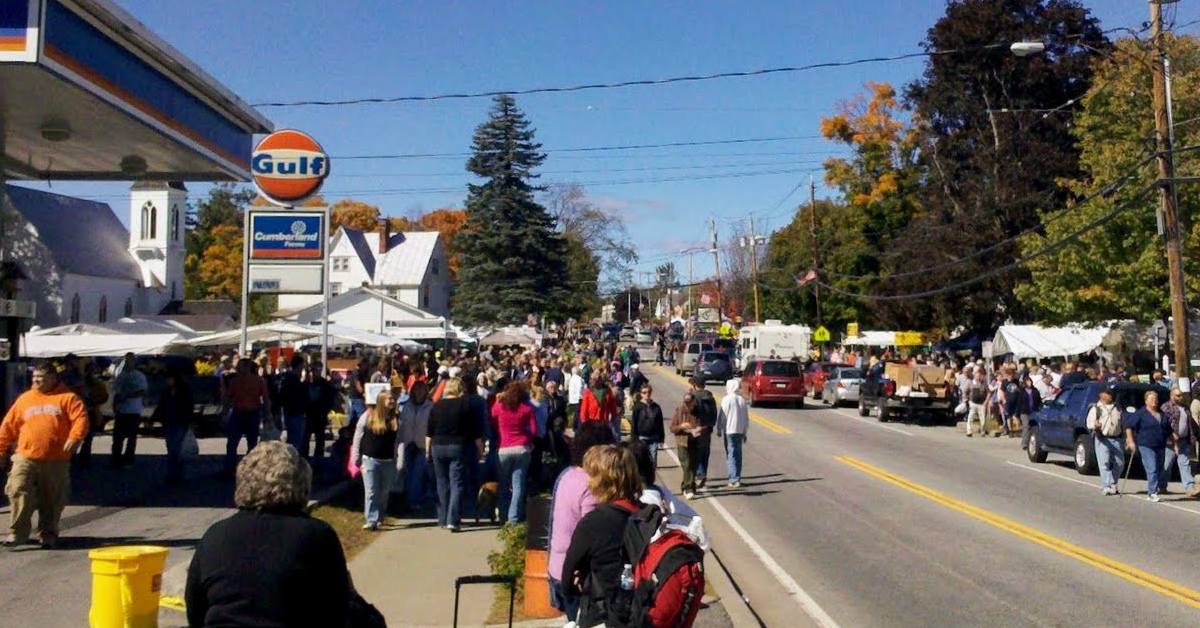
x,y
627,333
645,338
714,366
817,373
1060,427
842,386
686,362
774,381
206,392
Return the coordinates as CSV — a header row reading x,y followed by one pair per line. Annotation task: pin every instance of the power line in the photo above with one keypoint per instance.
x,y
631,83
1045,250
462,173
590,149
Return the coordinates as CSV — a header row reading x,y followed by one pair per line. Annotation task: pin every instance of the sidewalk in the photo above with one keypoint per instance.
x,y
408,573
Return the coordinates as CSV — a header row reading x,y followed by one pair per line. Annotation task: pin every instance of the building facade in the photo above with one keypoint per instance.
x,y
83,266
409,267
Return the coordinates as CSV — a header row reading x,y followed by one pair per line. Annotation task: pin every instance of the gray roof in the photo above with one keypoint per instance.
x,y
366,245
85,237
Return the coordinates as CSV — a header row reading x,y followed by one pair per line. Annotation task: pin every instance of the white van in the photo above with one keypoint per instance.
x,y
772,339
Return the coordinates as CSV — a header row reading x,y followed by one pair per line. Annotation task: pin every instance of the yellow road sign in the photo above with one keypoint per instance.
x,y
820,334
852,329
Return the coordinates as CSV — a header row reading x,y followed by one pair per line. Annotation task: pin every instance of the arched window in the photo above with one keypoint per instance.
x,y
129,307
175,223
102,315
153,222
144,226
75,309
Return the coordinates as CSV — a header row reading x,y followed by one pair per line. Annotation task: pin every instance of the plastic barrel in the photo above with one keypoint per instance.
x,y
126,581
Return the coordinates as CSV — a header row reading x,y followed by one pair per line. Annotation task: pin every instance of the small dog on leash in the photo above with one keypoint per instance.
x,y
485,502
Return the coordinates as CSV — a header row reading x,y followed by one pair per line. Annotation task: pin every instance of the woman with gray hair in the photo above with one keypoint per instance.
x,y
269,564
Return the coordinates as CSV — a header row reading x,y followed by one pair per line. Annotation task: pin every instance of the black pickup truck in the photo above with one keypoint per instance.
x,y
881,397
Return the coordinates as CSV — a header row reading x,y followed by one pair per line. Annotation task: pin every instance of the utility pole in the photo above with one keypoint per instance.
x,y
752,242
717,269
812,226
1166,193
691,304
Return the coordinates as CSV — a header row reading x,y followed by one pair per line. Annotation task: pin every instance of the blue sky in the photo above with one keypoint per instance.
x,y
270,50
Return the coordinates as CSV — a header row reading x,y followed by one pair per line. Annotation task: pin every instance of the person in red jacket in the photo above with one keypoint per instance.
x,y
599,404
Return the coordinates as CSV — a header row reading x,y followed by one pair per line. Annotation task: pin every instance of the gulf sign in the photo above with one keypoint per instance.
x,y
288,166
280,236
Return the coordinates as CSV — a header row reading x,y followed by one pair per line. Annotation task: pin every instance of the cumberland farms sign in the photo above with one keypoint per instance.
x,y
287,235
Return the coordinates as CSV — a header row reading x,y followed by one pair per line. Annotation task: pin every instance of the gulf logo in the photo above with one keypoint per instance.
x,y
288,166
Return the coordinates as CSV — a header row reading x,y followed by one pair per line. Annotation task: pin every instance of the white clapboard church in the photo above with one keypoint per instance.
x,y
82,265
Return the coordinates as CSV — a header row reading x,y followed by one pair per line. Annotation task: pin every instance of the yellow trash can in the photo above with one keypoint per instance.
x,y
126,581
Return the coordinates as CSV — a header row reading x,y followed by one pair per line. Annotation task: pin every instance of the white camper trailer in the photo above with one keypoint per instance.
x,y
772,339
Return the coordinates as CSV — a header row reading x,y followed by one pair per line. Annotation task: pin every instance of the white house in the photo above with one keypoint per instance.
x,y
372,310
83,266
409,267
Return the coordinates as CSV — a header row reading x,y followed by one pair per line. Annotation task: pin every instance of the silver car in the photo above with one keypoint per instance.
x,y
842,386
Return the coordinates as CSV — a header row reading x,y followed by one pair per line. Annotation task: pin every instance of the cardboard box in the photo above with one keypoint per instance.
x,y
925,379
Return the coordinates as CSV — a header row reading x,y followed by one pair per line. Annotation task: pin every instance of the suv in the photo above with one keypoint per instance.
x,y
713,366
687,358
774,380
1061,426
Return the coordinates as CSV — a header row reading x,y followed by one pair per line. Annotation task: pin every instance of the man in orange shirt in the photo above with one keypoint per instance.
x,y
47,423
248,400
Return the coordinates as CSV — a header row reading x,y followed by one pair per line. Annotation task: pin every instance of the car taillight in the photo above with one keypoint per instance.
x,y
889,388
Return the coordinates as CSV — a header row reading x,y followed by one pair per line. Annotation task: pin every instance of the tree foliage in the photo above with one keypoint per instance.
x,y
602,232
448,222
353,214
1118,270
513,259
992,149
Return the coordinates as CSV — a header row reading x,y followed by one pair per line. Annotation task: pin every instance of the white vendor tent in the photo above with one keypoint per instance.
x,y
872,339
286,331
143,337
1035,341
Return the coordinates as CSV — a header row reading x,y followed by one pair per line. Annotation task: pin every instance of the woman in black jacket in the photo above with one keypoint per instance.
x,y
452,428
269,564
647,421
593,567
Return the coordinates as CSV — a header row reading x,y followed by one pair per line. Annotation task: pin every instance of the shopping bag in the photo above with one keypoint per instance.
x,y
190,450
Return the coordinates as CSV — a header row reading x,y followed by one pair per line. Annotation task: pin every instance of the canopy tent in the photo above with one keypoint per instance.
x,y
285,331
506,337
872,339
970,342
1035,341
99,345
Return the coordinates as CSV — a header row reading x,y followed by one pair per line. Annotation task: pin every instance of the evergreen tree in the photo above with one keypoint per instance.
x,y
513,259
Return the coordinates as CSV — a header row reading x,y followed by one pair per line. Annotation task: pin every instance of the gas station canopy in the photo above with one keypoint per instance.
x,y
87,92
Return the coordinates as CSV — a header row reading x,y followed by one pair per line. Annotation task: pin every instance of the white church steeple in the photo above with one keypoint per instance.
x,y
157,212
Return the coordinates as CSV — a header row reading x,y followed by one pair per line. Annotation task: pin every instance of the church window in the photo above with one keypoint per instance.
x,y
129,307
153,222
144,226
75,309
175,223
102,315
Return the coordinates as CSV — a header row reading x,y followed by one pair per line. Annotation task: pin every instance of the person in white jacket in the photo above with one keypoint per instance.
x,y
575,385
733,419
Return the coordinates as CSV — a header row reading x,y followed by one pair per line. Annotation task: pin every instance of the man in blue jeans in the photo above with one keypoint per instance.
x,y
732,421
293,400
1104,420
247,397
1180,451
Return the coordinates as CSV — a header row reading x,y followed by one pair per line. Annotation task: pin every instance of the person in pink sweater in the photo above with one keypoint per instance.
x,y
572,500
516,424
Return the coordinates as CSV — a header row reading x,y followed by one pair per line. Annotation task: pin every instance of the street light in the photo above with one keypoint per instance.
x,y
1026,48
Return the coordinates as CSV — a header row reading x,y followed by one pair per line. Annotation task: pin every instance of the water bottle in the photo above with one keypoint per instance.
x,y
627,577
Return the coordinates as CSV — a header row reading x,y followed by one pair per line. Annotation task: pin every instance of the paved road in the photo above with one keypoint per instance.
x,y
850,522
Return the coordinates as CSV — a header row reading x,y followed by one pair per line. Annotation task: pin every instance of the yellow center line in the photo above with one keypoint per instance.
x,y
1137,576
763,421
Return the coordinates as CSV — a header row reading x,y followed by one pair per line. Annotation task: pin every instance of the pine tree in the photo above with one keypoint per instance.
x,y
513,259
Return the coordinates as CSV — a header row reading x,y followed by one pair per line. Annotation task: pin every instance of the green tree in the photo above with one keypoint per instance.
x,y
513,259
996,141
583,274
1118,270
223,207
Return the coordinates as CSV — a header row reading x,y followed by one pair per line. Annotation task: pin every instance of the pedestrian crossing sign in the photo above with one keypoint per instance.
x,y
821,334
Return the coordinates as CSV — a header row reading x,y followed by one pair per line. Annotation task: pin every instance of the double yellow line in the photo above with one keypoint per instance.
x,y
1141,578
763,421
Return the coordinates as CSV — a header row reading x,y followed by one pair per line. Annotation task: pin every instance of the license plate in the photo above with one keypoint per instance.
x,y
780,385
